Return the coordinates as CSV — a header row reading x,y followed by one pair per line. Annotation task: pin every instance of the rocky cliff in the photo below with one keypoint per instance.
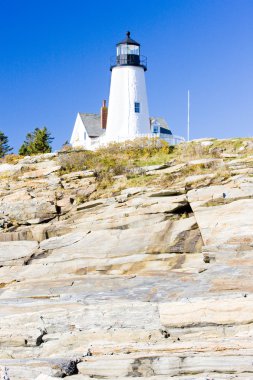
x,y
147,277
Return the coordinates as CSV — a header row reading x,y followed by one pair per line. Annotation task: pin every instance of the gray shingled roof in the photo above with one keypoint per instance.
x,y
91,121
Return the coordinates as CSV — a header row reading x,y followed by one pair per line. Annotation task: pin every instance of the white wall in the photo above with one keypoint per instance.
x,y
127,87
77,138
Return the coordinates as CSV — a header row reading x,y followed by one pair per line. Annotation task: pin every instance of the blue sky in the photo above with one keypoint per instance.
x,y
54,62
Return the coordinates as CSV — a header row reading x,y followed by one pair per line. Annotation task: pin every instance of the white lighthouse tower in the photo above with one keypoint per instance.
x,y
128,114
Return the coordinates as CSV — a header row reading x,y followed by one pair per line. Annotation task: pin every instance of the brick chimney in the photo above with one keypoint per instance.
x,y
103,114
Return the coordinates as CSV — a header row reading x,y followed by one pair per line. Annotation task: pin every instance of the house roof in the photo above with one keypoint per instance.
x,y
91,122
160,120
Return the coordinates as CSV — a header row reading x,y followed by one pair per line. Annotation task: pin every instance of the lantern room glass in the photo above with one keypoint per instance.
x,y
126,49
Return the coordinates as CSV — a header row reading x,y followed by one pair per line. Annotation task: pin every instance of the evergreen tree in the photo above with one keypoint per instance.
x,y
4,147
38,141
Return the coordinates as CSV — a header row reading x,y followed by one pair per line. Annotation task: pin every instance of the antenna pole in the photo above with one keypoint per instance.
x,y
188,117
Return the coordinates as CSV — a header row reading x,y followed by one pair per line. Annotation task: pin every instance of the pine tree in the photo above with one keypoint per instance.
x,y
38,141
4,147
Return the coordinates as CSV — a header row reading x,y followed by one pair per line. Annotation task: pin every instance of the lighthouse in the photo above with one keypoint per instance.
x,y
128,114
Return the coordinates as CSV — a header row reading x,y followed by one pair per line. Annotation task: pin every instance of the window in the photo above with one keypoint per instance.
x,y
137,107
128,49
84,136
155,127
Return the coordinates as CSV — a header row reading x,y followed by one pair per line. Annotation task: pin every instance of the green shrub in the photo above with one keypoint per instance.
x,y
38,141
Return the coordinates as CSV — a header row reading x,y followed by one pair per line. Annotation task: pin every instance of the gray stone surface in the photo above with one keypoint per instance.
x,y
147,283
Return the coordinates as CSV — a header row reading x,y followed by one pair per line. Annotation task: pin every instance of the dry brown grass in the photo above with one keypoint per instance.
x,y
195,150
10,159
116,158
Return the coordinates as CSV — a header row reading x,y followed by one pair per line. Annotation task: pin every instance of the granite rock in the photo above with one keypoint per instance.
x,y
150,282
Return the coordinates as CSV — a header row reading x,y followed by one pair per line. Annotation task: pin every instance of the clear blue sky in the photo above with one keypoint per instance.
x,y
54,62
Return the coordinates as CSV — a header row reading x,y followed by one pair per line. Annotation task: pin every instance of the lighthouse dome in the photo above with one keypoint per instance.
x,y
128,41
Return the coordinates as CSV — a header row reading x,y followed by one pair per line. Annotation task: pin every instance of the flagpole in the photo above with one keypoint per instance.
x,y
188,117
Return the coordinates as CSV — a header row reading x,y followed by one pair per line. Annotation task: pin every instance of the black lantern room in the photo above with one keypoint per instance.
x,y
128,54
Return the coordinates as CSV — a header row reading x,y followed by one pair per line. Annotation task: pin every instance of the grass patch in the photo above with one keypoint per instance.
x,y
141,180
121,160
116,158
195,150
10,159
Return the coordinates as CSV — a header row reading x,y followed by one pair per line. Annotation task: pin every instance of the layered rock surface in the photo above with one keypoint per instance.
x,y
151,282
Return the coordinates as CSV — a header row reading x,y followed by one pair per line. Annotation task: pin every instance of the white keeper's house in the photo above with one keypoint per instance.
x,y
127,115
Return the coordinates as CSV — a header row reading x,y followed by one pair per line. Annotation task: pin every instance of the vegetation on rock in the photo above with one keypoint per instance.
x,y
131,261
117,157
120,165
